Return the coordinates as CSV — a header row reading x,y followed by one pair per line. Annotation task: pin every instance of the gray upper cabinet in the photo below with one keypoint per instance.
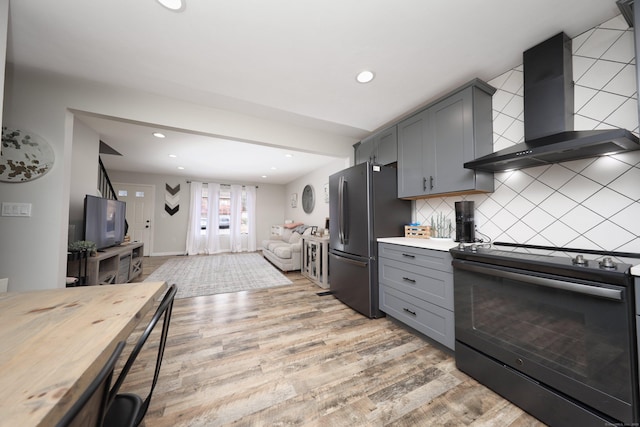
x,y
380,148
434,144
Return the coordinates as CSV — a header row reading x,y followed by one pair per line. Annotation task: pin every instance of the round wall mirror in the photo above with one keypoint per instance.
x,y
308,200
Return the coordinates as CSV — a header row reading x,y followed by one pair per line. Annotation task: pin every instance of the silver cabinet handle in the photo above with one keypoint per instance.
x,y
413,313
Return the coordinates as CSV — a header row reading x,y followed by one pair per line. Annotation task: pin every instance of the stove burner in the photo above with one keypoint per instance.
x,y
608,264
579,260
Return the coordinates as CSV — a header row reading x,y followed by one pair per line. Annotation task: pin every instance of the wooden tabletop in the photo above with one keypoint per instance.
x,y
54,342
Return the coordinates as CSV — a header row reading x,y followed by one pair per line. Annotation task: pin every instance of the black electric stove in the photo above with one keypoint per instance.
x,y
550,327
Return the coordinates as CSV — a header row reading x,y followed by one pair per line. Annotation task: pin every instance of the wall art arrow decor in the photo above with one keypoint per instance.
x,y
172,199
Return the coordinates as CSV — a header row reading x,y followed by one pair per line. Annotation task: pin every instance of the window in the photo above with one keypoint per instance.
x,y
224,211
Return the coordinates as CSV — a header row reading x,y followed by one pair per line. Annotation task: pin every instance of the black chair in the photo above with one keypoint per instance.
x,y
128,409
90,408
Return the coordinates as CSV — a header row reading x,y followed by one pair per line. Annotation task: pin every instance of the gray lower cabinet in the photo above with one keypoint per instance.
x,y
416,288
434,144
380,148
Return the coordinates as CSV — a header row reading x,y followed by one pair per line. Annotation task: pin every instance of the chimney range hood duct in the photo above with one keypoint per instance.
x,y
548,116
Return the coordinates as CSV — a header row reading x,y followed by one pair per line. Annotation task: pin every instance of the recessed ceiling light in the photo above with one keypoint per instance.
x,y
264,176
288,155
273,168
181,167
158,135
365,76
175,5
173,156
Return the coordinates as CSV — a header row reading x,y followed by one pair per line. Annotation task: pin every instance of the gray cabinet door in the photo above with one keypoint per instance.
x,y
380,148
452,136
434,144
411,137
365,150
387,146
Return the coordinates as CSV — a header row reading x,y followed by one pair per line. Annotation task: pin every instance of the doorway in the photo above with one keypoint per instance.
x,y
140,201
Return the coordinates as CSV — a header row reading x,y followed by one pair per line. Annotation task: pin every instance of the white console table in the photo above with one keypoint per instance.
x,y
315,259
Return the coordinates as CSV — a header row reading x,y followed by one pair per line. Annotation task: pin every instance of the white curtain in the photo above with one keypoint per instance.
x,y
193,229
235,236
251,212
213,220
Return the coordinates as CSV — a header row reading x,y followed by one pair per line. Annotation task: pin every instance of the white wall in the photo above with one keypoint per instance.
x,y
44,103
170,231
317,179
84,175
4,24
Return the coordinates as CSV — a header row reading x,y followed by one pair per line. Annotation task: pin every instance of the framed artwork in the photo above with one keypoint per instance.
x,y
25,156
294,200
314,230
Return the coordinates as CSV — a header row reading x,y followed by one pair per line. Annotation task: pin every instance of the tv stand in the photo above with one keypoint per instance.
x,y
118,264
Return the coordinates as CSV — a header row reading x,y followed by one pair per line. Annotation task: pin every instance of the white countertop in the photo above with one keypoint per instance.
x,y
635,270
437,244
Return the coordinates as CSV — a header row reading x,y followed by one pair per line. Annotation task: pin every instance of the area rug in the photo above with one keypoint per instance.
x,y
216,274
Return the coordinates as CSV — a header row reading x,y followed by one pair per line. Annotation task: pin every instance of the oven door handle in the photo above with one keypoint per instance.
x,y
612,294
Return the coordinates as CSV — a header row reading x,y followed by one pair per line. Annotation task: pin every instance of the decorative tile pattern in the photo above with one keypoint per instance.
x,y
589,203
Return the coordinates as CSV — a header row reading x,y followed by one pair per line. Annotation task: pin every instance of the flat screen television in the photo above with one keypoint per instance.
x,y
104,221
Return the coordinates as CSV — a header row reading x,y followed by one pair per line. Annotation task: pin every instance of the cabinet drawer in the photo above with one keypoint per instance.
x,y
430,258
428,284
435,322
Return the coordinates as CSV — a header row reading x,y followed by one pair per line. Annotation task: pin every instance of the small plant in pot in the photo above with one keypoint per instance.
x,y
83,246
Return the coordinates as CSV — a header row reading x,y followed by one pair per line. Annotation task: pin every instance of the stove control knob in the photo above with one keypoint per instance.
x,y
607,262
579,260
474,248
461,246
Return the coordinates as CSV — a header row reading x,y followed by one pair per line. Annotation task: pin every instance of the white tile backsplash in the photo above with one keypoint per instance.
x,y
588,203
626,116
623,83
607,202
598,42
580,188
538,219
600,74
556,176
628,217
557,205
602,105
605,170
622,50
628,184
581,219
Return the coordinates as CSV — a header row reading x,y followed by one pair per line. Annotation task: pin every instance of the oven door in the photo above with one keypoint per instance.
x,y
573,336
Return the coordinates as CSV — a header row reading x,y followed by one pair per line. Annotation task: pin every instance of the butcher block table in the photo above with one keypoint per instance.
x,y
54,342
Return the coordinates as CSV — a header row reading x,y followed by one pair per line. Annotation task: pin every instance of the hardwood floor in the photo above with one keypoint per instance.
x,y
286,356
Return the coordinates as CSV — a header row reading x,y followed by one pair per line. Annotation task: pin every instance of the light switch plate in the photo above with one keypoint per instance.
x,y
16,209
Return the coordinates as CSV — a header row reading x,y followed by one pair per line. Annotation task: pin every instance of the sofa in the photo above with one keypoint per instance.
x,y
285,251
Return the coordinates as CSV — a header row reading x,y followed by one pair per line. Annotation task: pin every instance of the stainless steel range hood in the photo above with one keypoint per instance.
x,y
548,116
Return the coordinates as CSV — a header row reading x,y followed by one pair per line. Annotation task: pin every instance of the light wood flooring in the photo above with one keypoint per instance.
x,y
286,356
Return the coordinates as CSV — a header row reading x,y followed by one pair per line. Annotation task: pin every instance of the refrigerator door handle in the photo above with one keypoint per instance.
x,y
350,261
343,231
340,233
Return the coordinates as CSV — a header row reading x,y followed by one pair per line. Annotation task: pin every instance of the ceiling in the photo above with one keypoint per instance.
x,y
290,61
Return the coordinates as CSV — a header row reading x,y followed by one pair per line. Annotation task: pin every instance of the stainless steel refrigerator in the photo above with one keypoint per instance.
x,y
363,206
